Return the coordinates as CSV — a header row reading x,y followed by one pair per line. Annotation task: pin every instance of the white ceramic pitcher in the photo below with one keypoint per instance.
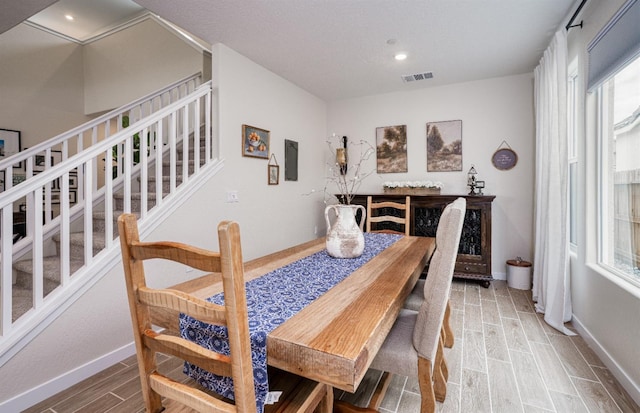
x,y
344,237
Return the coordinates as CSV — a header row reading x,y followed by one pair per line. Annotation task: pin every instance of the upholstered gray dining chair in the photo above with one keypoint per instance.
x,y
414,346
415,299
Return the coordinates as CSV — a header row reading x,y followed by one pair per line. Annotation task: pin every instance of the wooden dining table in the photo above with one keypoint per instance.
x,y
335,338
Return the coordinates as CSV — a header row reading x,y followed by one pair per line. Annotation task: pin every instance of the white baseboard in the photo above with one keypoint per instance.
x,y
618,372
60,383
500,276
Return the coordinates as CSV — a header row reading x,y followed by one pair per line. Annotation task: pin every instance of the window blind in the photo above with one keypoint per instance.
x,y
615,45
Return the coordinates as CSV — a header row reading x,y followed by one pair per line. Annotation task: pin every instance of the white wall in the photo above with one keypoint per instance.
x,y
605,309
491,111
153,58
41,84
96,330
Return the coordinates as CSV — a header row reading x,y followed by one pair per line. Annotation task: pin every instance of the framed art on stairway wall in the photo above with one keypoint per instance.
x,y
10,145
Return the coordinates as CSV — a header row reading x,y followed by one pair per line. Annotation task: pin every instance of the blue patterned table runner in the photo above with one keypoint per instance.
x,y
271,300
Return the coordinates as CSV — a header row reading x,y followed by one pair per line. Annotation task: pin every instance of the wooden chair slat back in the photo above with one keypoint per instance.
x,y
184,303
185,254
402,220
144,300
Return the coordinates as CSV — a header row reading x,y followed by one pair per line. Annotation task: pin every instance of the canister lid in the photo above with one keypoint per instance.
x,y
517,263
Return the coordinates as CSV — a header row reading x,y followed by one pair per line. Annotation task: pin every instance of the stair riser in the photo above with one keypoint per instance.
x,y
179,155
25,279
165,185
166,168
99,226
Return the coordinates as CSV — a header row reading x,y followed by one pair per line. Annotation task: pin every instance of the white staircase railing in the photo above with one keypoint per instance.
x,y
173,141
39,157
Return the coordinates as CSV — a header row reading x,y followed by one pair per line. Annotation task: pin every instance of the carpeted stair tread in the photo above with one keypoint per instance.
x,y
136,195
77,238
165,178
50,269
102,215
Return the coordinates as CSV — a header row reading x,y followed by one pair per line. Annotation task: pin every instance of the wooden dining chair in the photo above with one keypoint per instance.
x,y
145,303
414,346
374,217
416,297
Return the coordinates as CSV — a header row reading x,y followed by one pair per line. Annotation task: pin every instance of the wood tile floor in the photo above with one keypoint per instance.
x,y
505,359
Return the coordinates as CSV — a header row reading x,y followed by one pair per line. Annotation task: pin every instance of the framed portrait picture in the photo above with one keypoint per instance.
x,y
391,149
255,142
10,145
444,146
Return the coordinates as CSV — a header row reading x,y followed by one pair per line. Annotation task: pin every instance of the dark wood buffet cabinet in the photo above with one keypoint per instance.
x,y
474,253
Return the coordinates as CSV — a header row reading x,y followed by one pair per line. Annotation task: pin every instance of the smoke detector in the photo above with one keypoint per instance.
x,y
416,77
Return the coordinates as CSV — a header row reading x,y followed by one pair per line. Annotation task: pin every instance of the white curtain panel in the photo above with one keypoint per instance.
x,y
551,288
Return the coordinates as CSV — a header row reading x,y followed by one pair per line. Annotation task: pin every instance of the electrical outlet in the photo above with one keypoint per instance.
x,y
315,230
232,196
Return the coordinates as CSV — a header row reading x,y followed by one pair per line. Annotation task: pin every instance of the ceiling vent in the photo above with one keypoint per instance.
x,y
417,76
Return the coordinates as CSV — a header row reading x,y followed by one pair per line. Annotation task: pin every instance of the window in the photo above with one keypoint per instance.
x,y
619,150
572,136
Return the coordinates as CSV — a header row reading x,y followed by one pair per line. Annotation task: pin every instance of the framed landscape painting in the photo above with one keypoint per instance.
x,y
391,149
444,146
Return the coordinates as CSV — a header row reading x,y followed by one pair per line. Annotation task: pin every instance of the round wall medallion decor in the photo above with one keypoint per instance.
x,y
504,158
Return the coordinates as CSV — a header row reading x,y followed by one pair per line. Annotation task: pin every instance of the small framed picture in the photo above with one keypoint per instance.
x,y
55,197
274,174
73,197
39,164
255,142
19,178
73,181
10,144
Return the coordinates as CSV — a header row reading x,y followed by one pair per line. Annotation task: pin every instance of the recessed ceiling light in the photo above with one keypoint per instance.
x,y
400,56
68,17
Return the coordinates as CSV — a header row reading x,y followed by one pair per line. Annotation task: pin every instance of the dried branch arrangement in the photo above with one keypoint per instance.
x,y
346,178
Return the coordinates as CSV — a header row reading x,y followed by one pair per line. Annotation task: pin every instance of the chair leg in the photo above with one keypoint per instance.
x,y
440,373
425,380
446,325
442,363
146,366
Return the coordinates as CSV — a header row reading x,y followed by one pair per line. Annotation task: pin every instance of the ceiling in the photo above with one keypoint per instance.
x,y
338,49
91,18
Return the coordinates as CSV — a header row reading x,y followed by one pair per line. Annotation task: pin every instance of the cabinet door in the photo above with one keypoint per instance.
x,y
470,251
